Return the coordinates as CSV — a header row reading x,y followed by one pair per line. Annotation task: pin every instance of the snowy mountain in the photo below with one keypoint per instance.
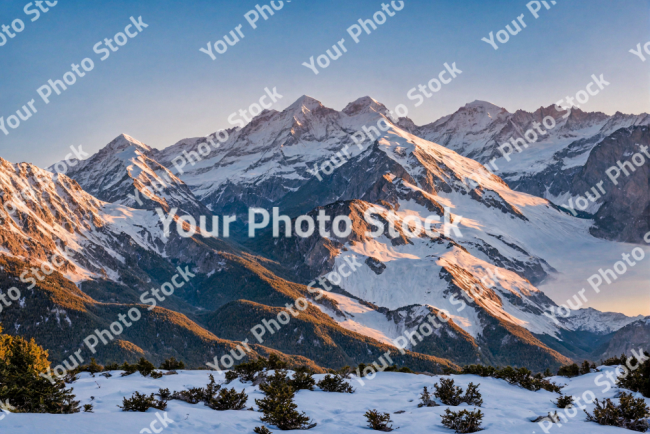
x,y
124,173
490,251
554,165
275,160
81,262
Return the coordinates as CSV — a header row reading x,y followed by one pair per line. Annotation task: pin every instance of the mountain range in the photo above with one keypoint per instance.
x,y
511,236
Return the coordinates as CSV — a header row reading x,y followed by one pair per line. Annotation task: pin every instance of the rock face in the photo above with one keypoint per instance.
x,y
623,212
634,336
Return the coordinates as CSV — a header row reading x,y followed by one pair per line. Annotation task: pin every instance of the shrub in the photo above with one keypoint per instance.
x,y
172,364
274,363
638,380
21,362
88,408
303,379
164,394
195,395
128,369
378,421
93,367
426,400
145,367
586,367
630,413
463,421
279,409
450,394
569,371
547,373
261,430
614,361
111,367
277,380
564,401
231,376
392,368
472,395
403,369
335,383
229,400
521,376
141,402
247,371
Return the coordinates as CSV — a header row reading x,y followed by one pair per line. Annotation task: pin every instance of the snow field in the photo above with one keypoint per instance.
x,y
507,409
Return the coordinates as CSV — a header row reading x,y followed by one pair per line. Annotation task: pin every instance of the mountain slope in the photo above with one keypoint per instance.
x,y
123,172
517,236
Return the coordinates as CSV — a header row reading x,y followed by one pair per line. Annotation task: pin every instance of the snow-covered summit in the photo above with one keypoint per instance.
x,y
365,104
125,172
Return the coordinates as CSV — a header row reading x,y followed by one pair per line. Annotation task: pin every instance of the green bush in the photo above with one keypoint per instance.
x,y
564,401
164,394
172,364
586,367
614,361
637,380
472,395
111,367
195,395
303,379
88,408
362,366
335,383
278,406
631,413
403,369
277,380
145,367
569,371
261,430
93,367
229,400
274,363
21,386
450,394
426,400
378,421
141,402
128,369
231,376
520,376
247,371
463,421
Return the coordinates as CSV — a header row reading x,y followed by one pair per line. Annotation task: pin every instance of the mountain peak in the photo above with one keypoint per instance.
x,y
307,102
364,104
483,106
124,141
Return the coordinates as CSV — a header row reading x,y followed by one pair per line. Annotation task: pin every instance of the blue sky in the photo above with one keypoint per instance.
x,y
160,88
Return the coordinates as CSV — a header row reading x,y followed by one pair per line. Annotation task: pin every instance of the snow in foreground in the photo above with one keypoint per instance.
x,y
507,409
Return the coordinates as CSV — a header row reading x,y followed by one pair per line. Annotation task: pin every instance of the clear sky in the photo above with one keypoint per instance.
x,y
160,88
